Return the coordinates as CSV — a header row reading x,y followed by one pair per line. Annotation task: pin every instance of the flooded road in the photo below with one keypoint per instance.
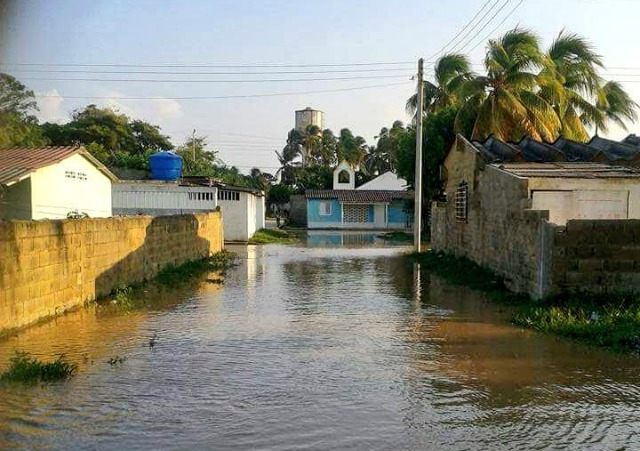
x,y
338,344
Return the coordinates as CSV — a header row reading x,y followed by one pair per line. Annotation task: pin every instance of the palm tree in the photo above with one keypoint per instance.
x,y
569,81
616,106
506,102
450,73
351,148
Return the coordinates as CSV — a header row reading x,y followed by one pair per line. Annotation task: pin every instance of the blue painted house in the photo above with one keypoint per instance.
x,y
369,207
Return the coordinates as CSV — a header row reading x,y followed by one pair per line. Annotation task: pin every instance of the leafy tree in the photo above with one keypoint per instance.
x,y
350,148
505,102
568,81
196,158
438,137
15,97
279,194
113,138
616,106
451,71
17,126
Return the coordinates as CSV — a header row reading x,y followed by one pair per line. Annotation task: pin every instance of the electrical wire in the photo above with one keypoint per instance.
x,y
240,96
268,80
495,2
496,28
137,72
226,66
506,2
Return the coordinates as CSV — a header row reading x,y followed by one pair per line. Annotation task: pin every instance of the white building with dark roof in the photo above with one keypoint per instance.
x,y
53,183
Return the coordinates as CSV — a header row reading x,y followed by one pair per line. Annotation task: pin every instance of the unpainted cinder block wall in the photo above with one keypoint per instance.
x,y
597,256
48,267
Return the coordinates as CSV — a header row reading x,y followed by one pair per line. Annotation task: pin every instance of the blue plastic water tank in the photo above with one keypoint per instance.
x,y
165,166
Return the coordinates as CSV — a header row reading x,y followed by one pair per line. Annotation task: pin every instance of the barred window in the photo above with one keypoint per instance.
x,y
462,202
356,213
325,208
228,195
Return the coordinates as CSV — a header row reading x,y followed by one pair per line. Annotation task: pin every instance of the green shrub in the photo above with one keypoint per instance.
x,y
24,368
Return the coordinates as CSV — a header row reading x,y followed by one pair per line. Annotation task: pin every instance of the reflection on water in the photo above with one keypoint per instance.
x,y
318,347
344,239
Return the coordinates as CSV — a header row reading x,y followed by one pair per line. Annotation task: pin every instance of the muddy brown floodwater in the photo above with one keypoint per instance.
x,y
336,343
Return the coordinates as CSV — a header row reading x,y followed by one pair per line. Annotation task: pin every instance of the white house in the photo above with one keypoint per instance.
x,y
53,183
242,208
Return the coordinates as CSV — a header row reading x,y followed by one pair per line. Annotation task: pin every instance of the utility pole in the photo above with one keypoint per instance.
x,y
417,211
193,146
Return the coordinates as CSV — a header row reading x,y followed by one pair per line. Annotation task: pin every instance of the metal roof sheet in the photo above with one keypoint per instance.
x,y
358,196
18,162
568,170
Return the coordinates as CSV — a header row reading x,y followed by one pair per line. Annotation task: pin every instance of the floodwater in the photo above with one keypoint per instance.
x,y
339,343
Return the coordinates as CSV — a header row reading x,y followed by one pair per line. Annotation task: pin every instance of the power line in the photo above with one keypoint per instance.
x,y
152,72
496,28
241,96
465,27
504,4
227,66
268,80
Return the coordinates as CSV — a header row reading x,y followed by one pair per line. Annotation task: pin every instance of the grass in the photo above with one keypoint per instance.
x,y
270,236
24,368
176,274
400,237
609,320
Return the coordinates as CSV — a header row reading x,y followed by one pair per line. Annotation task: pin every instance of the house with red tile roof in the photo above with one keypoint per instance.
x,y
377,205
53,183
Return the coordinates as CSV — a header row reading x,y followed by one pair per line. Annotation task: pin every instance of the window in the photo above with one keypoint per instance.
x,y
356,213
462,202
344,176
228,195
325,208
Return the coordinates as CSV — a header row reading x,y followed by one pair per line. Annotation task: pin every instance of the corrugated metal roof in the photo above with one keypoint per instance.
x,y
18,162
569,170
358,196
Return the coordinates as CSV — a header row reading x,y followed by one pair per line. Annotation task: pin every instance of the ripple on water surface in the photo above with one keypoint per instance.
x,y
318,348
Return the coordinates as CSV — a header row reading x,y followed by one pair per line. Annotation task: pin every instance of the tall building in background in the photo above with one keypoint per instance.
x,y
305,118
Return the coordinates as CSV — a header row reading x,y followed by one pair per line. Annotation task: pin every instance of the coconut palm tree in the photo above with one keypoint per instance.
x,y
450,73
506,102
616,106
569,80
351,148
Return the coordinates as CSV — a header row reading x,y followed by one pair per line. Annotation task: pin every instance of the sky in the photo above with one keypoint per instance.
x,y
375,43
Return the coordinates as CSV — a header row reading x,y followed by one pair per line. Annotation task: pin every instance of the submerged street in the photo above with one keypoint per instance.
x,y
339,342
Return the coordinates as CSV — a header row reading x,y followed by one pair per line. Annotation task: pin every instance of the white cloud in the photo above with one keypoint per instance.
x,y
156,111
51,107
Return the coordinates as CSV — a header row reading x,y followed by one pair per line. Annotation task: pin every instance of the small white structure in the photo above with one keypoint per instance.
x,y
53,183
344,176
242,212
387,181
242,208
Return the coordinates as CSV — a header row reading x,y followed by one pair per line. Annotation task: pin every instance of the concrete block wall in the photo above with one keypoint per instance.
x,y
48,267
597,255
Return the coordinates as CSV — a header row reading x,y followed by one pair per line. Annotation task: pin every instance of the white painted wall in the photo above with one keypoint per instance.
x,y
586,198
155,197
387,181
54,194
242,218
344,166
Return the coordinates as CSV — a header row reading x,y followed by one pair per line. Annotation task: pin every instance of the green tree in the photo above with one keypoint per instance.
x,y
438,137
113,138
506,102
17,126
197,159
615,105
568,81
451,71
350,148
